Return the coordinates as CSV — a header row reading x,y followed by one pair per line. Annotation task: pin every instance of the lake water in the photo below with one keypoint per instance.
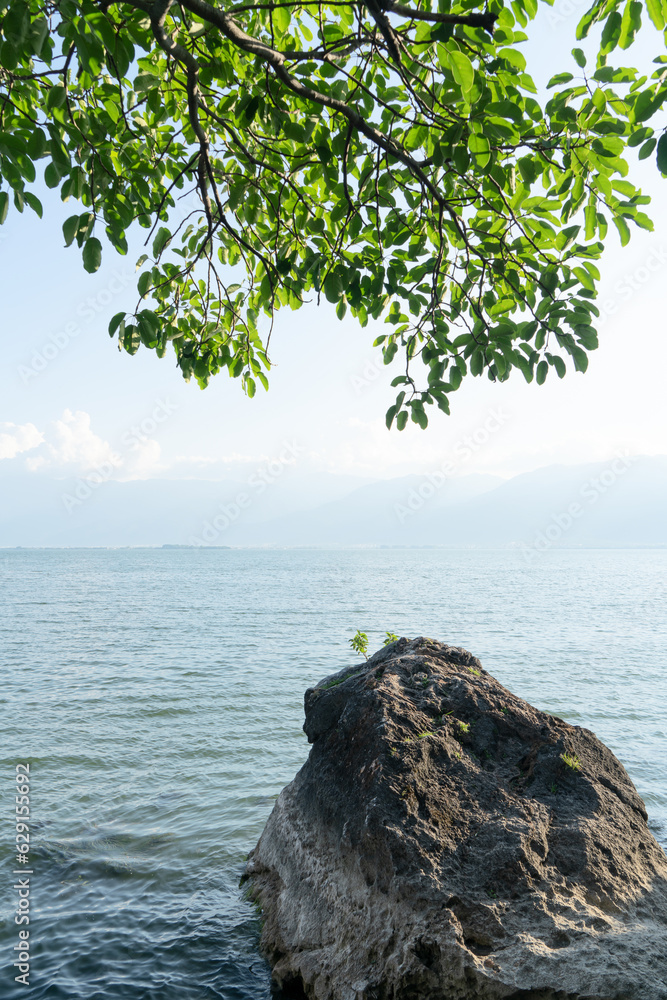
x,y
157,696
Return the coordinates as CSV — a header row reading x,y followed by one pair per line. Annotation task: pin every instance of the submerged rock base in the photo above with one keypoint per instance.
x,y
447,841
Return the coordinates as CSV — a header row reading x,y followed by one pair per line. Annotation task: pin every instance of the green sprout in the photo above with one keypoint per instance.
x,y
391,637
464,727
571,760
359,643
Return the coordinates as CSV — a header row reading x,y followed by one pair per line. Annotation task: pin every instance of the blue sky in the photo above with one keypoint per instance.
x,y
70,400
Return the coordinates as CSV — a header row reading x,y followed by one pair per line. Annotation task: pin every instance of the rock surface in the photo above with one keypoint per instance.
x,y
437,845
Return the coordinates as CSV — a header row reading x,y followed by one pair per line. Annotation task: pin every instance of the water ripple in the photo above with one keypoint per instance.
x,y
158,696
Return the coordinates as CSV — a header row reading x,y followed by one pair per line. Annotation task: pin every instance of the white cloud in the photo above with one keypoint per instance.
x,y
71,445
17,438
142,461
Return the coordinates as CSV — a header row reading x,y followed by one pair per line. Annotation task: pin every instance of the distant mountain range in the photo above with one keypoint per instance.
x,y
617,503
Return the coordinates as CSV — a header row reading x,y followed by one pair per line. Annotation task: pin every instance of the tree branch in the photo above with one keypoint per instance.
x,y
276,60
486,21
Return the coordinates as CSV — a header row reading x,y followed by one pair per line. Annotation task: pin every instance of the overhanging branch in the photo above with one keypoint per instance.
x,y
276,61
486,20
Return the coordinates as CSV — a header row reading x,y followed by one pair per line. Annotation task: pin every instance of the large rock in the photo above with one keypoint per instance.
x,y
446,840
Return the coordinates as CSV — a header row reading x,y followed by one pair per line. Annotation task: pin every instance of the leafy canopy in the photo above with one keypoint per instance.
x,y
395,159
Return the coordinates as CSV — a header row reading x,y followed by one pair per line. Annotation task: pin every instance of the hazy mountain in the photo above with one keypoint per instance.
x,y
379,513
614,503
89,510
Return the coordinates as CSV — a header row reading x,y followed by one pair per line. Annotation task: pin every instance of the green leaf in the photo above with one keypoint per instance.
x,y
251,109
639,136
146,81
559,78
611,33
92,255
51,175
549,279
159,243
647,104
609,145
55,97
131,339
144,282
148,325
593,14
661,157
4,206
70,229
480,147
630,24
579,57
462,70
333,287
281,18
34,203
647,149
655,12
579,357
389,352
622,228
506,109
115,322
559,365
477,362
461,158
590,216
584,277
643,221
418,414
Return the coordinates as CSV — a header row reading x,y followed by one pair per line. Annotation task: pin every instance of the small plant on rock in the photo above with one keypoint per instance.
x,y
391,637
359,643
571,760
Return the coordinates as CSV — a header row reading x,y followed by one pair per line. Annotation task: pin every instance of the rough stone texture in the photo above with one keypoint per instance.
x,y
435,846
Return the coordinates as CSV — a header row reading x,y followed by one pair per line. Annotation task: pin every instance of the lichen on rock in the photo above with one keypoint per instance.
x,y
447,841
